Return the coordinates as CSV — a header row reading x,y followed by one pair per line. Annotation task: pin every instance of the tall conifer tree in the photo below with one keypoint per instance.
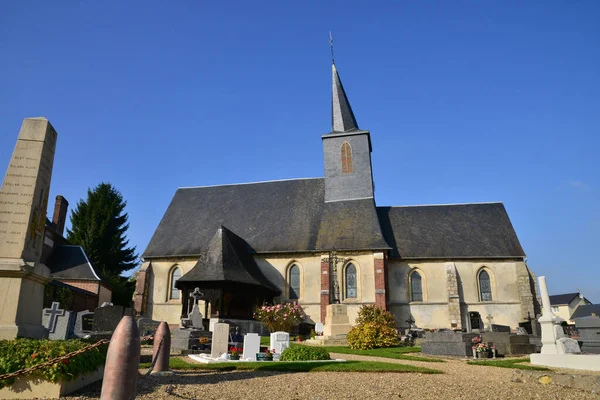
x,y
99,225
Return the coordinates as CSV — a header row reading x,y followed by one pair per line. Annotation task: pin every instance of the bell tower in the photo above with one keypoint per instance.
x,y
347,151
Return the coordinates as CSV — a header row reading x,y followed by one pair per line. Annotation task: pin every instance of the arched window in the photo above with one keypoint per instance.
x,y
485,286
175,275
294,282
346,158
416,287
350,279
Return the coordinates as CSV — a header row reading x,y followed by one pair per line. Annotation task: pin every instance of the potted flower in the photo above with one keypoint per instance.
x,y
476,340
483,350
266,356
203,342
235,352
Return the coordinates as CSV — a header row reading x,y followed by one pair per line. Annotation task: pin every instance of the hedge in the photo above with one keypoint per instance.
x,y
24,353
304,353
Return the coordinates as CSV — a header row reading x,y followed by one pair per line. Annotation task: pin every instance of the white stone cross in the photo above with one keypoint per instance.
x,y
489,318
54,312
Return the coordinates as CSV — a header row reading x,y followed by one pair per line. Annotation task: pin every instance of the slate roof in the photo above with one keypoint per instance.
x,y
478,230
342,116
70,262
586,311
227,259
562,299
275,216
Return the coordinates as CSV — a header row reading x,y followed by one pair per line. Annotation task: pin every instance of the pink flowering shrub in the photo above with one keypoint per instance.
x,y
280,317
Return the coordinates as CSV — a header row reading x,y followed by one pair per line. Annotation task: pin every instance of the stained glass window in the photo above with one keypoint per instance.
x,y
294,280
346,158
485,286
175,275
351,281
416,287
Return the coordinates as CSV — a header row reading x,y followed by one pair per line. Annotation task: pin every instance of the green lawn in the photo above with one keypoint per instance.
x,y
282,366
398,353
509,363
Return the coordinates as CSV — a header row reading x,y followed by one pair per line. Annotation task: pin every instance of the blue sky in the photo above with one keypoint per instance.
x,y
466,102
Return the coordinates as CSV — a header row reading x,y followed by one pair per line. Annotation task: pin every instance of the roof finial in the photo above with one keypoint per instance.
x,y
331,45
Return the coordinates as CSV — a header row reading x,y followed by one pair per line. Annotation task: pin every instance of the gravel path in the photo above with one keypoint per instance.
x,y
459,381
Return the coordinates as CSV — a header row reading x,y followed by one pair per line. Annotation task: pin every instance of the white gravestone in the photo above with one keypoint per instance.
x,y
196,318
251,346
319,328
279,341
220,340
567,345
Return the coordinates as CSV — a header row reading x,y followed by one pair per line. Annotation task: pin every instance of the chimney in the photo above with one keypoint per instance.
x,y
60,213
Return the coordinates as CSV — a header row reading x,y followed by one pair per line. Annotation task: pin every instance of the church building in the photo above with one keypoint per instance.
x,y
324,240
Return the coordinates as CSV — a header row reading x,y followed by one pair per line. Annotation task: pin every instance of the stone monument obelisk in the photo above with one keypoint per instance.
x,y
23,202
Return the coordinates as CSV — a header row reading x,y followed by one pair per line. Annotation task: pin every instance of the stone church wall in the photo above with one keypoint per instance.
x,y
160,307
508,305
275,268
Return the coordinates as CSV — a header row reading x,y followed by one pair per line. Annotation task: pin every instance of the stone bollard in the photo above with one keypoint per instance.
x,y
161,367
122,362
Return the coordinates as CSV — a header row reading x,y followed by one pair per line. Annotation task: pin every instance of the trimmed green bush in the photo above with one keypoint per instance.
x,y
374,328
24,353
304,353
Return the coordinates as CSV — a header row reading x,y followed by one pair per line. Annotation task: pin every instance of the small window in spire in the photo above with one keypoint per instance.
x,y
346,158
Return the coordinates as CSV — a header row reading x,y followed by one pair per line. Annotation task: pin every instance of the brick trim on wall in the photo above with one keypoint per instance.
x,y
380,286
324,289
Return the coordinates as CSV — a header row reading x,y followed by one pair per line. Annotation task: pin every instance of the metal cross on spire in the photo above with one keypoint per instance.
x,y
331,45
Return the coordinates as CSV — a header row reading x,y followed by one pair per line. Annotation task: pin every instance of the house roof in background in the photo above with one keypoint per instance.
x,y
586,311
476,230
71,262
561,299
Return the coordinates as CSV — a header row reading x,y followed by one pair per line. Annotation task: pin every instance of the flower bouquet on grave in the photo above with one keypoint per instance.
x,y
266,356
483,350
235,352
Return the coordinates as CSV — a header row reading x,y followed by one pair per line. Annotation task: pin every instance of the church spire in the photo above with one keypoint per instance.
x,y
342,117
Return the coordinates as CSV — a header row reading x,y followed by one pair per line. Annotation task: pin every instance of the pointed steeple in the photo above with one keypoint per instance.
x,y
342,117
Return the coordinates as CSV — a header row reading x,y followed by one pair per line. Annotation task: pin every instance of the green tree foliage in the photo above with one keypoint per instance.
x,y
374,328
99,225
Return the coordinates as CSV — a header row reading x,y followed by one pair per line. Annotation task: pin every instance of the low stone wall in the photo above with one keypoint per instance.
x,y
35,387
588,383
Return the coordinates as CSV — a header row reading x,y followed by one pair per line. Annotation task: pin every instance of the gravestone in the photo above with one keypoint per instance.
x,y
589,331
500,328
195,317
84,323
508,344
522,331
107,318
220,339
58,322
147,326
319,328
567,346
279,341
448,343
23,204
251,346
